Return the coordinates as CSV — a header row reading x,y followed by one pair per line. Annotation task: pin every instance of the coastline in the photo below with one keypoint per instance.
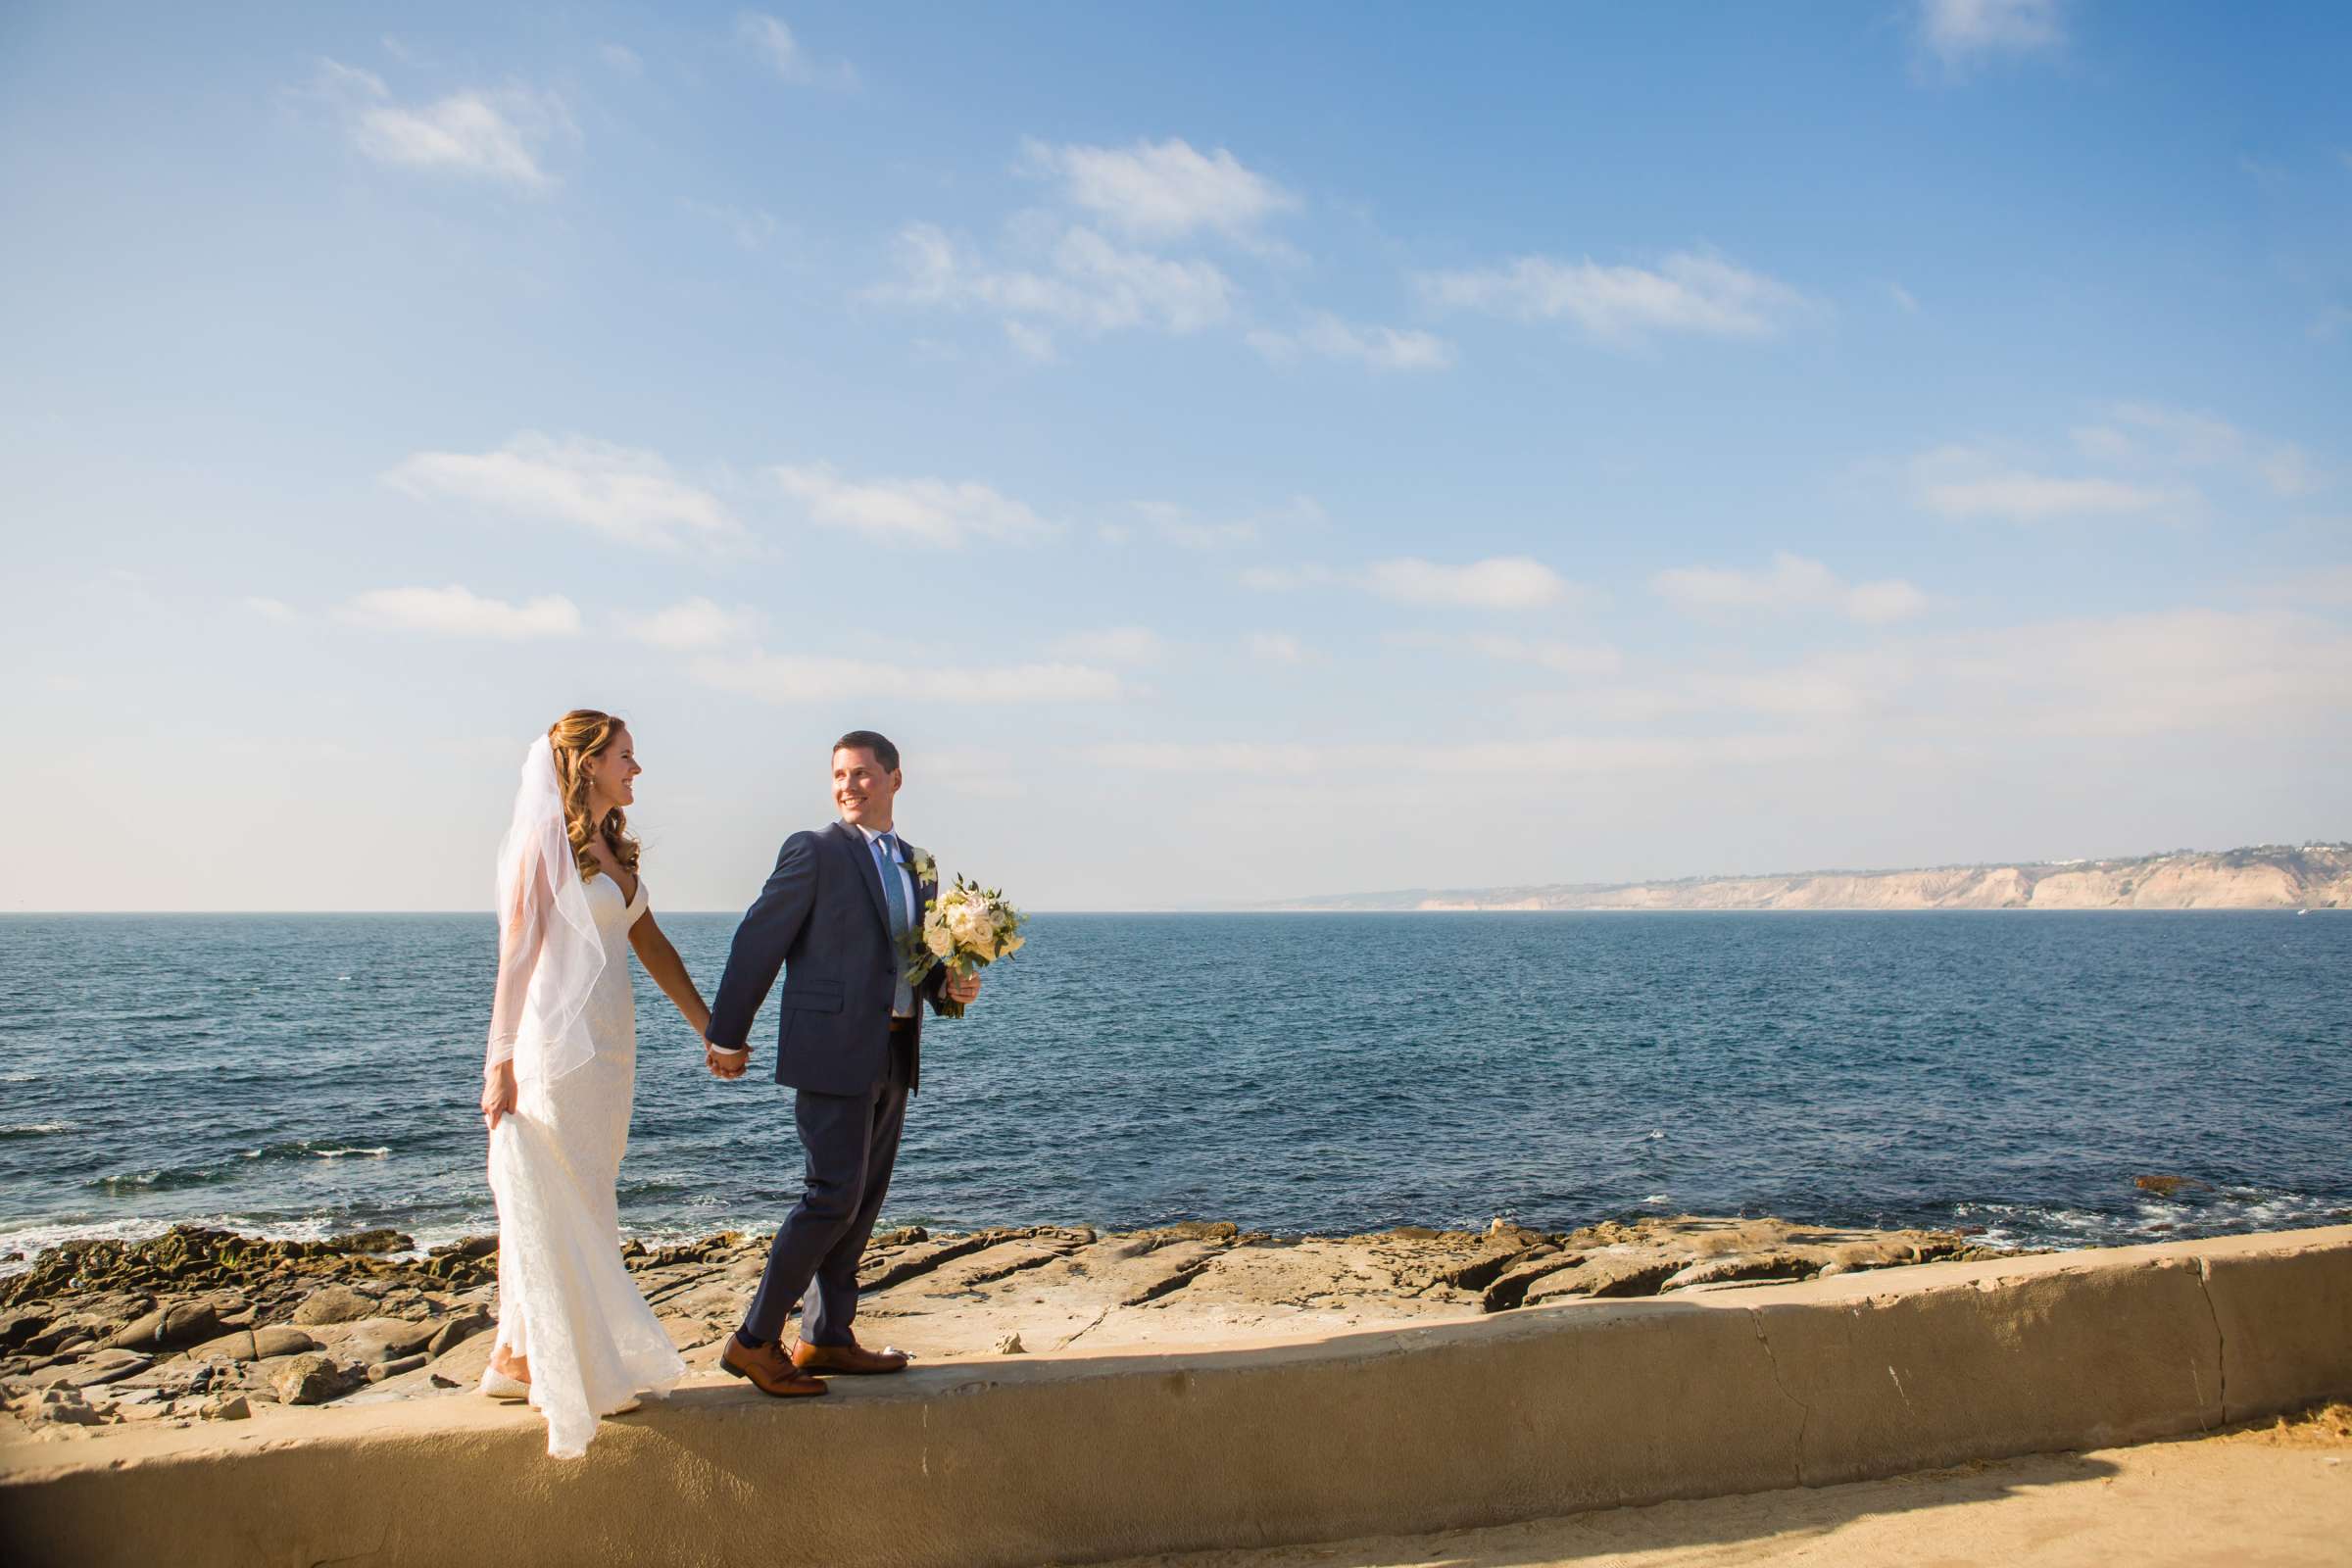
x,y
1729,1388
203,1324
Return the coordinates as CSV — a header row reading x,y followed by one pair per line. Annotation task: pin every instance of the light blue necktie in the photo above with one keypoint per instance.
x,y
894,892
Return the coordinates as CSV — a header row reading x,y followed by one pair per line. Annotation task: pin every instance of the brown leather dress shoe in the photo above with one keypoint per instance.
x,y
852,1359
766,1369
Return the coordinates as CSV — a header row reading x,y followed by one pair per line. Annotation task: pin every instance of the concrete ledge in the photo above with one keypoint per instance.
x,y
1542,1411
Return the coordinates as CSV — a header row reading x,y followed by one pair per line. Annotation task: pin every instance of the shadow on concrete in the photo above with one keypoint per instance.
x,y
1695,1532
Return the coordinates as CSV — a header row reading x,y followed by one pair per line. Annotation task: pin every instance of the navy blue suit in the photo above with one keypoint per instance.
x,y
825,920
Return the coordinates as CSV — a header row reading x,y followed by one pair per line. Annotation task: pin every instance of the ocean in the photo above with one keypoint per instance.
x,y
305,1075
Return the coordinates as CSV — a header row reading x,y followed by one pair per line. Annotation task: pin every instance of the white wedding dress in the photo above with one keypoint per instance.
x,y
564,1299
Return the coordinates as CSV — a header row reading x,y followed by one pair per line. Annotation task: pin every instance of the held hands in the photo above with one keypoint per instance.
x,y
964,990
498,1093
726,1065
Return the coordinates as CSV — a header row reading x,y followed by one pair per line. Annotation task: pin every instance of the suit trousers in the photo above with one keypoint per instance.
x,y
852,1143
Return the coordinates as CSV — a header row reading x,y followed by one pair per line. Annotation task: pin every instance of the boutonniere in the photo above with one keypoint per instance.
x,y
924,868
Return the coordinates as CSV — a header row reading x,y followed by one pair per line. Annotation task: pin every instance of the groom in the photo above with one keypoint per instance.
x,y
832,917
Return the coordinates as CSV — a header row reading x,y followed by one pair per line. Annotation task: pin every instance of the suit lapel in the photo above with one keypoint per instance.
x,y
868,874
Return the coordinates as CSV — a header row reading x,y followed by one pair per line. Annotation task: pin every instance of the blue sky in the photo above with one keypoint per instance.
x,y
1237,454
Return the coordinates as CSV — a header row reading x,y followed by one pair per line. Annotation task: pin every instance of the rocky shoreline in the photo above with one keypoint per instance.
x,y
207,1325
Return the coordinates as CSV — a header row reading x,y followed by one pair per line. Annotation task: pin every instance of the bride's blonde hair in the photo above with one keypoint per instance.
x,y
579,735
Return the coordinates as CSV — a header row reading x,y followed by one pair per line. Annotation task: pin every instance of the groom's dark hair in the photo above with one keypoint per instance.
x,y
866,740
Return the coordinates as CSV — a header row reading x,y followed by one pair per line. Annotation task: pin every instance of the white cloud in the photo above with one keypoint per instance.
x,y
2191,438
1383,347
911,512
623,59
790,678
1282,579
1561,658
269,608
481,134
1501,582
1181,528
1957,482
1793,583
2316,585
2329,322
772,44
1215,757
1558,657
457,612
1552,755
1083,283
693,624
1685,292
1959,31
1160,190
1903,298
2175,672
1276,648
1114,645
1030,343
2152,438
2033,496
625,493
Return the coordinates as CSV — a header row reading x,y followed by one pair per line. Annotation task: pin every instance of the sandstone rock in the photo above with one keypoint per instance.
x,y
20,1326
181,1375
392,1369
1011,1344
236,1347
92,1371
379,1339
280,1340
1753,1266
64,1333
463,1366
235,1408
168,1328
1606,1277
310,1379
63,1407
456,1329
333,1303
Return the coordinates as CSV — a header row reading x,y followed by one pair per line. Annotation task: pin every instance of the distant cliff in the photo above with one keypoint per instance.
x,y
2266,876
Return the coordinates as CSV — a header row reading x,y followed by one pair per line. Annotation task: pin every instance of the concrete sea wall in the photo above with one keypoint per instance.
x,y
1538,1412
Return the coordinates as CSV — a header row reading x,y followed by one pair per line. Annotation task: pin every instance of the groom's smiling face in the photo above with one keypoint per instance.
x,y
863,789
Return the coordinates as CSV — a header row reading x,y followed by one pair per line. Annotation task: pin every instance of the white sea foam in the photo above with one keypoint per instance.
x,y
34,1129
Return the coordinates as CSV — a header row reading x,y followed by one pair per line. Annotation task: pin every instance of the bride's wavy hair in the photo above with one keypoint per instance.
x,y
577,737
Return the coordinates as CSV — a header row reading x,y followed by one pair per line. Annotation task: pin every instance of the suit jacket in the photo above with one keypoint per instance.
x,y
822,919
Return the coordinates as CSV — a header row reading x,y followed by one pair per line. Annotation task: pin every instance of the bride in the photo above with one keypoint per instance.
x,y
574,1336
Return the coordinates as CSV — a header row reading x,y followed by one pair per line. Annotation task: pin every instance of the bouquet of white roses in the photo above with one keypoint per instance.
x,y
967,928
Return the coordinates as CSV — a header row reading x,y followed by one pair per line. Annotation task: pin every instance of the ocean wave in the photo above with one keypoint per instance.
x,y
314,1148
34,1129
19,1247
163,1178
2211,1211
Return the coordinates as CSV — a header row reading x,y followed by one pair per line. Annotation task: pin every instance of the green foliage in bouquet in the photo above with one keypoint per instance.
x,y
967,928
